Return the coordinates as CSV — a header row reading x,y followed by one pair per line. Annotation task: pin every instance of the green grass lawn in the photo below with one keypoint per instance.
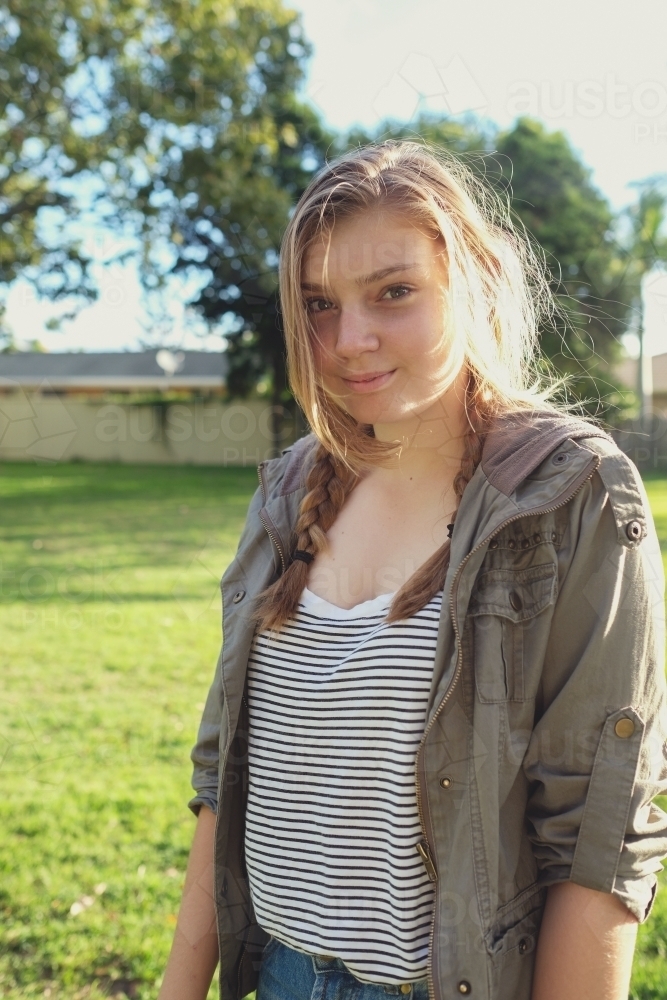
x,y
110,625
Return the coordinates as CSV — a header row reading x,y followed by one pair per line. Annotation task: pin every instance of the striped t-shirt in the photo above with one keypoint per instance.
x,y
337,703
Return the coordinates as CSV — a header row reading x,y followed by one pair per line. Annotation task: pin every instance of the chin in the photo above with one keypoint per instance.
x,y
370,413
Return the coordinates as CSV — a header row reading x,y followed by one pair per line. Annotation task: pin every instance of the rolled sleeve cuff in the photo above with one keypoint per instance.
x,y
637,894
203,799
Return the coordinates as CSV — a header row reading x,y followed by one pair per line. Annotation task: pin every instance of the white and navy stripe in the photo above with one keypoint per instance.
x,y
337,703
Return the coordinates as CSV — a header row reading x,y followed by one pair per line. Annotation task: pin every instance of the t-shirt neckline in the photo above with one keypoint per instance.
x,y
324,609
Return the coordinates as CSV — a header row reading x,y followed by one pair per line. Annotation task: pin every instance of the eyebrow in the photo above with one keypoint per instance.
x,y
366,279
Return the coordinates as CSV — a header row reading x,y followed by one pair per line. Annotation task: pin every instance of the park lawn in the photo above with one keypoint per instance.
x,y
110,624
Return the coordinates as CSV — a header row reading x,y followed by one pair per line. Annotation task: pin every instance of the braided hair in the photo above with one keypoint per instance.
x,y
329,483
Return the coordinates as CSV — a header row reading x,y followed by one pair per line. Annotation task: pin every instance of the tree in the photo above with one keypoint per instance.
x,y
221,158
553,196
43,48
180,118
647,243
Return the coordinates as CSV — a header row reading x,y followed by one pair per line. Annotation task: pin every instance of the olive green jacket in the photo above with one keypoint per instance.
x,y
546,725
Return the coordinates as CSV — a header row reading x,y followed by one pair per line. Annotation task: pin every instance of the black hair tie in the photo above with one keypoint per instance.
x,y
450,530
300,554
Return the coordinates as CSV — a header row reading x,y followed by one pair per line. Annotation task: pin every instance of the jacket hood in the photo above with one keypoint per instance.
x,y
518,442
514,447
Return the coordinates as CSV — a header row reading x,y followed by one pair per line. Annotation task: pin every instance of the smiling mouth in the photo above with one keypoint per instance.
x,y
368,382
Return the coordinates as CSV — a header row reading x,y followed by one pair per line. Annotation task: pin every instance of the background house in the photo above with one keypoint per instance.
x,y
95,374
153,406
627,373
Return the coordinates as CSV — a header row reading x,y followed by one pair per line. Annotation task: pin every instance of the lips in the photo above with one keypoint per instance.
x,y
368,381
366,377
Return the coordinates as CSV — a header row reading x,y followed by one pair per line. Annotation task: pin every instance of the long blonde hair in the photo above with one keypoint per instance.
x,y
498,295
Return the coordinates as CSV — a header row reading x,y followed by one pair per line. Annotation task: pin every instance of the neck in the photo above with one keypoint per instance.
x,y
433,442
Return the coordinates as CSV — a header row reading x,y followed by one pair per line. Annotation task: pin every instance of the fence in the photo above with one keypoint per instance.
x,y
50,428
53,428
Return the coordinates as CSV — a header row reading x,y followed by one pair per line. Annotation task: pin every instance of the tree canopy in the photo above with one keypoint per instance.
x,y
182,120
177,116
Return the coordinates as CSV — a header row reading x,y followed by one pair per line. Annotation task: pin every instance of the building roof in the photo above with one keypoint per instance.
x,y
120,370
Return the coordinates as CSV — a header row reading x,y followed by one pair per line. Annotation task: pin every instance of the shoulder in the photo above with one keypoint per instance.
x,y
287,473
526,448
625,490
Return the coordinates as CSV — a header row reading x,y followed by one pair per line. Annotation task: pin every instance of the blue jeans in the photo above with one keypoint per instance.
x,y
286,974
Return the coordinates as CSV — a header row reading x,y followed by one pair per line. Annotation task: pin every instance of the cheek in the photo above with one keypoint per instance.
x,y
322,354
319,353
418,340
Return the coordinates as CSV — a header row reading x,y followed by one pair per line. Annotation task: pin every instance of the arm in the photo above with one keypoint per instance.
x,y
194,951
595,758
585,946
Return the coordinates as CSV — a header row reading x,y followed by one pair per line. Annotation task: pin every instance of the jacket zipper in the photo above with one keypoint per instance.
x,y
424,848
266,520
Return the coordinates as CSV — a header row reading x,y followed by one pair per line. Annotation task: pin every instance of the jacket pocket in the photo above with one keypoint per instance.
x,y
517,924
503,606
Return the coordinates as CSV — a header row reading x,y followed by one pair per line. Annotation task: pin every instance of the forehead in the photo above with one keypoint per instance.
x,y
367,242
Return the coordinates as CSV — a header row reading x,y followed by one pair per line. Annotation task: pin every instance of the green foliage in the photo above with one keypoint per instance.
x,y
181,115
110,618
179,122
553,197
647,219
43,49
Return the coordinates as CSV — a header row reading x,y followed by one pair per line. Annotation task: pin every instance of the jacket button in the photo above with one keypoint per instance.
x,y
561,458
238,596
515,600
493,544
464,987
524,945
537,537
624,728
634,530
525,542
511,544
554,536
446,782
406,988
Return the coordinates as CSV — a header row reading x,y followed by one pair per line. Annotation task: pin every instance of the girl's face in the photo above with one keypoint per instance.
x,y
375,293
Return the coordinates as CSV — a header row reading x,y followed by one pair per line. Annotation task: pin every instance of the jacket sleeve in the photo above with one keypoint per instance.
x,y
205,754
596,756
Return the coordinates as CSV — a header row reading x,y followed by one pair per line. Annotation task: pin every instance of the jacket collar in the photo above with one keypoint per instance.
x,y
514,449
519,442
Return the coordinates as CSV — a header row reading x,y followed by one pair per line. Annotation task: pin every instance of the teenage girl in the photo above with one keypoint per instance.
x,y
427,759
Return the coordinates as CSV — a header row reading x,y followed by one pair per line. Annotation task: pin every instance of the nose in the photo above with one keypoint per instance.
x,y
356,333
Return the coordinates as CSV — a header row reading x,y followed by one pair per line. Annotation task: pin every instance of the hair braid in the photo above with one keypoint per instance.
x,y
328,483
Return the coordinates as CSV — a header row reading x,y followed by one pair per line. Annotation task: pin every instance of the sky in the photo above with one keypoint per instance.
x,y
595,70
